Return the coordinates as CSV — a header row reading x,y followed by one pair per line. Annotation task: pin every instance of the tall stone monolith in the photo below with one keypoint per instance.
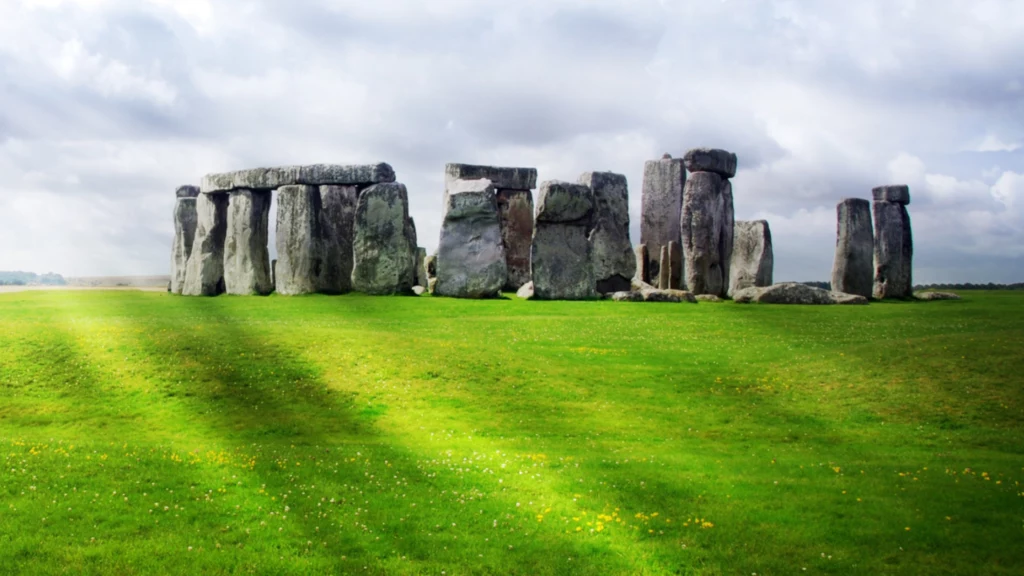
x,y
642,264
853,266
204,274
383,251
662,201
561,254
337,221
752,257
614,259
300,240
894,245
185,221
246,254
515,208
470,254
708,220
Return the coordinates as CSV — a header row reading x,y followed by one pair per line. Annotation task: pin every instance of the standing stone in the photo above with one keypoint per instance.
x,y
752,257
421,267
853,267
561,259
300,240
185,221
430,266
614,259
664,269
676,274
643,273
273,271
894,248
898,193
662,200
515,208
702,222
471,255
337,221
382,252
204,275
246,254
410,237
726,235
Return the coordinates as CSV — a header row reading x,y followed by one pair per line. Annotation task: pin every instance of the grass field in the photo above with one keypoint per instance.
x,y
148,433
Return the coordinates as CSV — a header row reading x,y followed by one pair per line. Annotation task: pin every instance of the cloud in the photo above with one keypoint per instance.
x,y
107,105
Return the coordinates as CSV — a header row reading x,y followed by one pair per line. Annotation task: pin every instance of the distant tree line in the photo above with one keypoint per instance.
x,y
967,286
31,279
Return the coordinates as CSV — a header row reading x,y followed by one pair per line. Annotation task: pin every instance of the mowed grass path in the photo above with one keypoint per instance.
x,y
148,433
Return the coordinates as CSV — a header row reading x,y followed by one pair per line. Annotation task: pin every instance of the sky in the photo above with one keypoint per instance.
x,y
106,106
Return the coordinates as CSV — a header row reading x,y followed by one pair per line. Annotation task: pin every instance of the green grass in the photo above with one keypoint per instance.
x,y
148,433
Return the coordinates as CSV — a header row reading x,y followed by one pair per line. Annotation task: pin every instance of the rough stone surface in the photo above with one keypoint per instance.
x,y
187,191
898,193
702,223
500,177
314,175
643,273
667,295
561,254
471,255
794,293
664,269
410,237
430,266
853,266
708,298
337,222
726,236
185,220
894,251
677,266
300,240
246,250
432,284
204,274
752,258
662,201
273,270
525,291
383,251
421,268
711,160
614,260
627,296
937,296
515,207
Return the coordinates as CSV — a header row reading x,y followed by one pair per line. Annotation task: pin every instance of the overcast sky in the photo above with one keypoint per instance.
x,y
106,106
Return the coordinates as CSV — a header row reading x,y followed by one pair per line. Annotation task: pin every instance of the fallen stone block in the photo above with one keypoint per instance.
x,y
937,296
795,293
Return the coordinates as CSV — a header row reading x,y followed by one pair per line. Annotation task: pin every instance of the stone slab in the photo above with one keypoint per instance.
x,y
752,258
898,193
300,240
614,259
312,174
337,222
853,265
515,208
702,226
794,293
565,203
470,254
185,222
383,251
661,204
714,160
246,251
500,177
893,251
204,275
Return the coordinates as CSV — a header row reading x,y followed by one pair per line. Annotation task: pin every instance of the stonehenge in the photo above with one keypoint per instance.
x,y
614,260
300,240
894,245
561,254
384,250
752,257
337,224
246,255
853,266
707,220
794,293
471,254
662,201
184,234
204,273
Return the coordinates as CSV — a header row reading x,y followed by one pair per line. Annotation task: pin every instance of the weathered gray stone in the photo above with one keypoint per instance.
x,y
614,260
642,264
702,224
525,291
185,220
664,269
432,284
708,298
667,295
898,193
627,296
500,177
314,175
894,251
410,237
337,222
204,274
794,293
430,266
561,255
711,160
726,237
300,240
383,251
662,201
187,191
470,255
273,268
752,257
853,266
677,267
421,268
246,253
515,208
937,296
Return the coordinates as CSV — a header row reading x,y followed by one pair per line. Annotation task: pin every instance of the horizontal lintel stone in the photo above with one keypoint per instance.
x,y
311,175
501,177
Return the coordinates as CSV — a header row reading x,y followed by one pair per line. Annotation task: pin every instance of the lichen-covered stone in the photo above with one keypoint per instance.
x,y
561,254
898,193
853,266
714,160
515,208
726,236
313,175
185,221
470,255
300,240
500,177
204,274
703,223
614,259
894,251
246,251
752,256
937,296
667,295
627,296
337,222
794,293
383,251
662,201
421,268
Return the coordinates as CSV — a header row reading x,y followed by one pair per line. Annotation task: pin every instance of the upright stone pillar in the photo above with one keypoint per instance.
x,y
614,259
383,251
246,254
204,275
752,257
664,269
677,269
707,220
894,244
470,256
643,273
515,208
184,234
561,255
853,267
662,201
300,240
421,267
338,214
